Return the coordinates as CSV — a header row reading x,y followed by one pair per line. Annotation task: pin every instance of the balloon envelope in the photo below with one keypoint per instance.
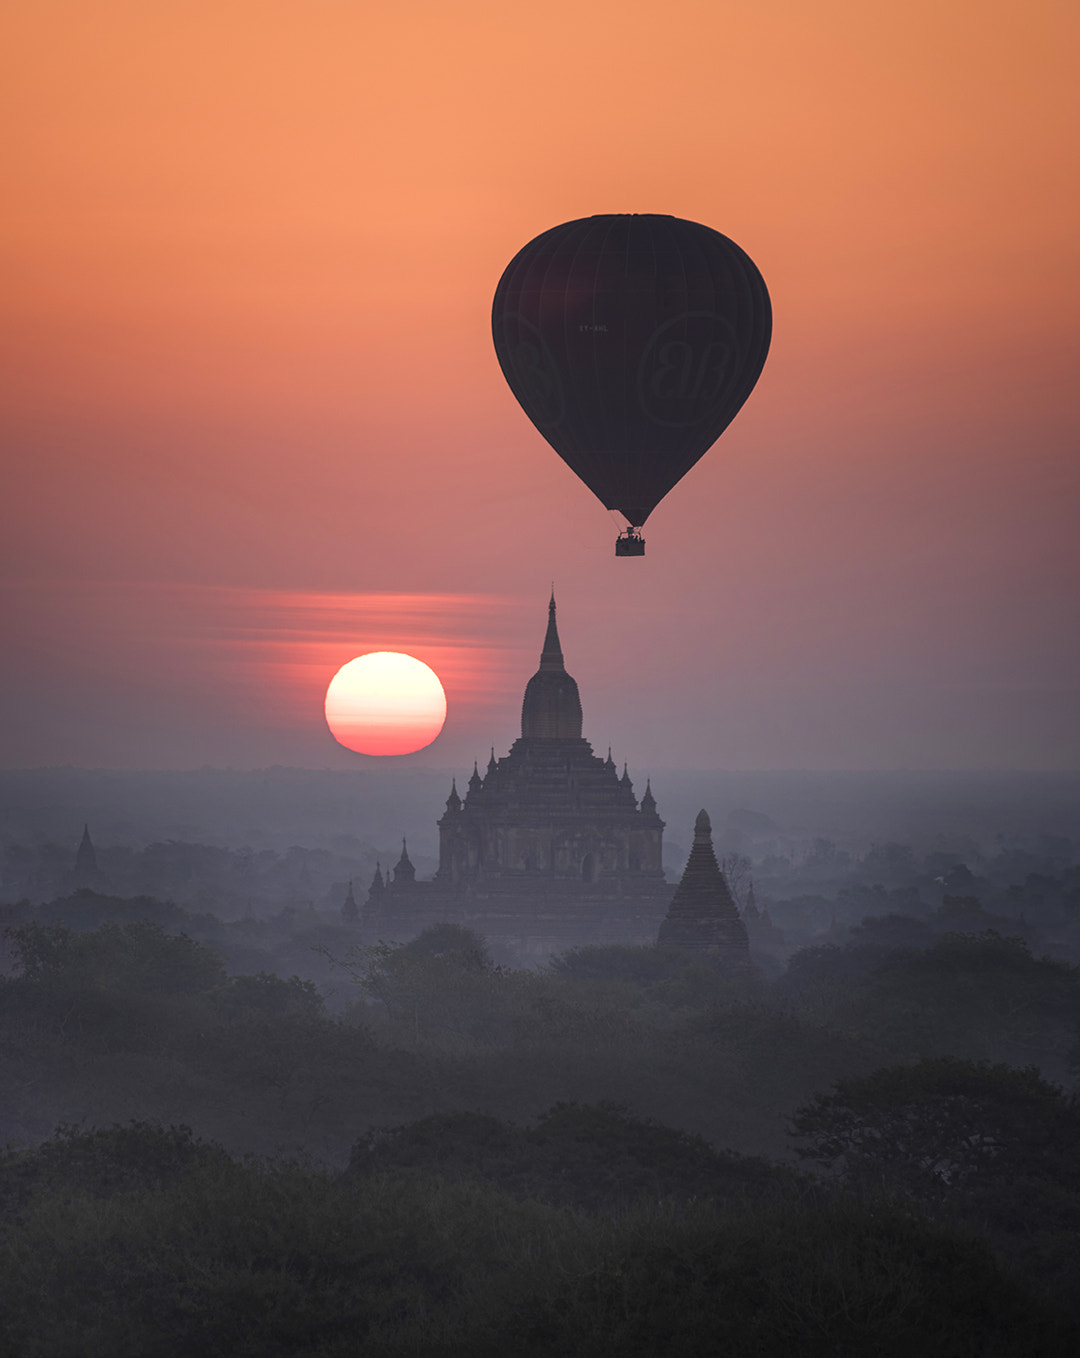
x,y
631,342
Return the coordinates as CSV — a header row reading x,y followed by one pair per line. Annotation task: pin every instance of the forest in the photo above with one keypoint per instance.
x,y
866,1147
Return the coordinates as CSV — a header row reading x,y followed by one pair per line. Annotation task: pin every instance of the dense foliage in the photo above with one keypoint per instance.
x,y
141,1242
587,1159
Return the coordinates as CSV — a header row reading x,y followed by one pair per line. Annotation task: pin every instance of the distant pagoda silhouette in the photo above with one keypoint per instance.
x,y
86,863
703,915
85,874
551,809
548,848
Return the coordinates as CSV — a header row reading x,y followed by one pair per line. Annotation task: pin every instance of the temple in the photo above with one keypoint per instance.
x,y
549,847
551,811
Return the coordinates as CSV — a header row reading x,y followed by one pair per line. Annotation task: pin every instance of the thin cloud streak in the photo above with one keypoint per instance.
x,y
236,659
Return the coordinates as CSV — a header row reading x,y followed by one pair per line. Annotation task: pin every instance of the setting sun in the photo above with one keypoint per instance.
x,y
385,703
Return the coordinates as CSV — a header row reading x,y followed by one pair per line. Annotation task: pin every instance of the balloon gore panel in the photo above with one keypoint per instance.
x,y
631,342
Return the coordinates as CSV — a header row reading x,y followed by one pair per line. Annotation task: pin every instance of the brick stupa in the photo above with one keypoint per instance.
x,y
703,915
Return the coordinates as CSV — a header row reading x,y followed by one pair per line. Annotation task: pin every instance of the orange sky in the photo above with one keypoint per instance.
x,y
248,256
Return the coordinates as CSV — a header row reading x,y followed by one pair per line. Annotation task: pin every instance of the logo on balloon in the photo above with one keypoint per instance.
x,y
686,368
534,378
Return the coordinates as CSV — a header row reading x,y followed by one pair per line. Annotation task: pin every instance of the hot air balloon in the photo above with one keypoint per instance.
x,y
631,341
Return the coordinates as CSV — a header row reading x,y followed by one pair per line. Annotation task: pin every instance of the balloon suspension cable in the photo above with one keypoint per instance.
x,y
630,542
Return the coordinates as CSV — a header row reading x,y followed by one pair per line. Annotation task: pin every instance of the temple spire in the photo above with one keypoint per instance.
x,y
87,872
404,872
85,855
551,709
551,657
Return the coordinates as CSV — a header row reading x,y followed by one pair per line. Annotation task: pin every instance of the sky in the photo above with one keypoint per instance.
x,y
253,425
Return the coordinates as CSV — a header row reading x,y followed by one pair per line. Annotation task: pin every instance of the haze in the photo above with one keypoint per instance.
x,y
255,426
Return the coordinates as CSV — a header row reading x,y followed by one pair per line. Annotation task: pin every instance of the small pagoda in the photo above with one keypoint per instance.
x,y
703,915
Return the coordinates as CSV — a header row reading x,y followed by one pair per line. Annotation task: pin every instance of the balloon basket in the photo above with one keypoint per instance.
x,y
630,543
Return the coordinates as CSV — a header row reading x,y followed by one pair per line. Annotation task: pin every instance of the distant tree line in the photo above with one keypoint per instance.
x,y
410,1148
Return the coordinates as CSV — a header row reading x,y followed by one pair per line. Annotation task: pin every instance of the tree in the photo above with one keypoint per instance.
x,y
822,853
890,862
138,955
638,965
104,1161
941,1126
893,931
824,978
736,868
84,910
402,975
266,996
441,988
591,1157
980,996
